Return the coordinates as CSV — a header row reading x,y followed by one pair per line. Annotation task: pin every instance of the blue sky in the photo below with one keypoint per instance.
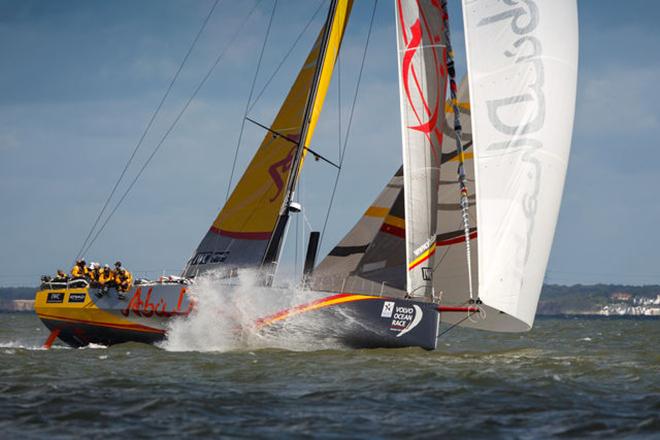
x,y
79,81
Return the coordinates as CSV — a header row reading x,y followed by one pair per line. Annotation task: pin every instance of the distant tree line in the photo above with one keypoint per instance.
x,y
12,293
558,299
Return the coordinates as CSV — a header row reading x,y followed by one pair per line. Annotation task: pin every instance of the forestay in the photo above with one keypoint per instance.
x,y
450,271
522,66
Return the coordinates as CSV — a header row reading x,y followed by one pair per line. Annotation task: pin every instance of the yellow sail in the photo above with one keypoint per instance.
x,y
253,207
240,233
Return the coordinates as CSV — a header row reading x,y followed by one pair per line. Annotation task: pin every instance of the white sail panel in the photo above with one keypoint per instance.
x,y
422,55
522,67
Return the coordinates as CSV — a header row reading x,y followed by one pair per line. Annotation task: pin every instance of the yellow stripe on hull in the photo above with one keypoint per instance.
x,y
73,311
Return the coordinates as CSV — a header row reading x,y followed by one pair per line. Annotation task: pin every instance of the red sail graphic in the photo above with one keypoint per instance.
x,y
413,44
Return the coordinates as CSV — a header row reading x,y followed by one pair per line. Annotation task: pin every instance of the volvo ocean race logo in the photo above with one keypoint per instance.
x,y
388,309
404,318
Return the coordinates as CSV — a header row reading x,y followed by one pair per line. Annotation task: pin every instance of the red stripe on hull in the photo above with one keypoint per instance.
x,y
134,327
301,307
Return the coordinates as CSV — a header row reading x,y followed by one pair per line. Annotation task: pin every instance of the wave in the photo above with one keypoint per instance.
x,y
28,346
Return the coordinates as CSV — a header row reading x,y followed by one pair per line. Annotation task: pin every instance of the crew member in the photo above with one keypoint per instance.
x,y
93,273
124,280
61,277
106,280
80,270
106,277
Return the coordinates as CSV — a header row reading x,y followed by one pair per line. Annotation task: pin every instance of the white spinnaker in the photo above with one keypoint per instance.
x,y
522,66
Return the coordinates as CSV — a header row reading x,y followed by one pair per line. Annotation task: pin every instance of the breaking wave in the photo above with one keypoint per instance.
x,y
20,345
225,317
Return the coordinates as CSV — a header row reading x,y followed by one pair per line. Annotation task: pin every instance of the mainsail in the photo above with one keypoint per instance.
x,y
245,227
422,84
522,66
371,258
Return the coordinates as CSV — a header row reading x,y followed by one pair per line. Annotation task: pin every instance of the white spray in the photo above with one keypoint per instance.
x,y
225,314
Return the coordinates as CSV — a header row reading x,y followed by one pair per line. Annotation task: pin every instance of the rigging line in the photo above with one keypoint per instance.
x,y
453,326
247,104
307,222
283,60
174,123
350,123
148,127
339,105
462,180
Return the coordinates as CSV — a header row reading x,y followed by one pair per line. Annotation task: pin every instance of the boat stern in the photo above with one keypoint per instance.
x,y
80,316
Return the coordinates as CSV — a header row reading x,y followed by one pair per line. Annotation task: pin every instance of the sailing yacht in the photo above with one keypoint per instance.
x,y
460,234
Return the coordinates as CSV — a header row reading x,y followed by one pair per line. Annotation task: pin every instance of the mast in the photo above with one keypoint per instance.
x,y
273,250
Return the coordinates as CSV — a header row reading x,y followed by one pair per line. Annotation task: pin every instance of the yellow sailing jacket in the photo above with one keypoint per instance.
x,y
79,272
124,277
105,277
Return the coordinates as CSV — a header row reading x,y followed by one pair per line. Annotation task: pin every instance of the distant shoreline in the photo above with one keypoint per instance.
x,y
597,316
595,301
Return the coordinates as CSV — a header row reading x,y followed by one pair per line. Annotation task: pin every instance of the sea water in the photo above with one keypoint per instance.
x,y
568,378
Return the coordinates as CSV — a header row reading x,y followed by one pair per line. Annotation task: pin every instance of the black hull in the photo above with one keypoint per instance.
x,y
359,321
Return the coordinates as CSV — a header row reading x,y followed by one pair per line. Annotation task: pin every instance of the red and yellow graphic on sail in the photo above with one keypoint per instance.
x,y
422,88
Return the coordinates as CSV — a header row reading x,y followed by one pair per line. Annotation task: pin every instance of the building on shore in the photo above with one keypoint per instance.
x,y
17,305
